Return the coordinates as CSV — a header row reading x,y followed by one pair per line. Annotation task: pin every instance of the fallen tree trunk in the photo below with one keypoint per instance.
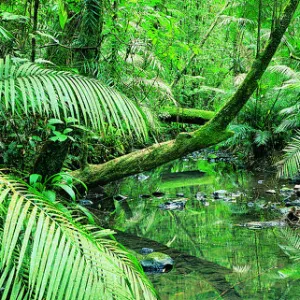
x,y
211,133
185,115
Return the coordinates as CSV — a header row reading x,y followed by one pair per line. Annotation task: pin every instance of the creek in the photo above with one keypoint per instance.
x,y
215,257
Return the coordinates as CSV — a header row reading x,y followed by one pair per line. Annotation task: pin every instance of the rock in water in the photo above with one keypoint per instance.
x,y
158,194
120,197
145,251
142,177
180,194
86,202
273,192
174,204
157,262
220,194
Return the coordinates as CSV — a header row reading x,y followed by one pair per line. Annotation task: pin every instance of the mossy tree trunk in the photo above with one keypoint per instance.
x,y
211,133
51,158
185,115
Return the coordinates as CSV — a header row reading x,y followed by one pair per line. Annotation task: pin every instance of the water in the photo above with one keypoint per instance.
x,y
233,261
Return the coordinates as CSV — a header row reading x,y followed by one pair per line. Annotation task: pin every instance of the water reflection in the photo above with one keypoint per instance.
x,y
208,230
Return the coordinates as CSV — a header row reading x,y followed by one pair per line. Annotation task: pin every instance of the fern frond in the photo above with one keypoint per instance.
x,y
290,165
27,89
45,254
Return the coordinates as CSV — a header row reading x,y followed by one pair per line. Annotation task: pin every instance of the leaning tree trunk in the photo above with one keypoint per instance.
x,y
211,133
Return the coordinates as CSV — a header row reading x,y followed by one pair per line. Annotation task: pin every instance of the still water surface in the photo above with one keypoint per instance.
x,y
246,263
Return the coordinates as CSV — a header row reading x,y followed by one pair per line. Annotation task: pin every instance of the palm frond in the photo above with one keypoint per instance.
x,y
291,245
27,89
47,254
290,165
92,14
226,20
287,124
262,137
5,35
241,133
284,70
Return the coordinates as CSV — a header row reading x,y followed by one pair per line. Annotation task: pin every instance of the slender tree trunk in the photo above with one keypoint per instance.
x,y
34,28
258,27
211,133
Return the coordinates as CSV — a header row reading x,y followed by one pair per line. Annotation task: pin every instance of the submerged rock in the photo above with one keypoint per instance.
x,y
145,196
293,203
297,189
157,262
120,197
178,204
271,192
180,194
86,202
158,194
220,194
201,196
264,224
145,251
286,191
142,177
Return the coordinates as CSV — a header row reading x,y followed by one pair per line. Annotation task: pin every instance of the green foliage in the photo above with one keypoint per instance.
x,y
290,165
291,247
30,90
46,252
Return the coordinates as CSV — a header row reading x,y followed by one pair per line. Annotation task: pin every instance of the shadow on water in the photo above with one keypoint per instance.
x,y
214,257
186,264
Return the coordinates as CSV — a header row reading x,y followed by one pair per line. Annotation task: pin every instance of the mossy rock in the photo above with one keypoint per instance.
x,y
157,262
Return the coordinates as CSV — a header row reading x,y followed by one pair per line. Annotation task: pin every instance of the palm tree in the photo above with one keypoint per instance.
x,y
46,253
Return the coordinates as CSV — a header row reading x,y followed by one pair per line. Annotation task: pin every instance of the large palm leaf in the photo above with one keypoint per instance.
x,y
290,165
46,254
26,89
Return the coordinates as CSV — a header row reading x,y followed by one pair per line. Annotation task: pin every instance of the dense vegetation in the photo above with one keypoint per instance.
x,y
84,83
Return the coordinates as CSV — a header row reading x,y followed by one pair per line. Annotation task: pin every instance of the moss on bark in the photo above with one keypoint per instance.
x,y
185,115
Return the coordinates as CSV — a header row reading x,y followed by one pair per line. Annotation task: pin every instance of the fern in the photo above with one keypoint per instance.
x,y
46,253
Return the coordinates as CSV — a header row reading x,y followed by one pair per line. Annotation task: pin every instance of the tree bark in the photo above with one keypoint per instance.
x,y
34,28
211,133
185,115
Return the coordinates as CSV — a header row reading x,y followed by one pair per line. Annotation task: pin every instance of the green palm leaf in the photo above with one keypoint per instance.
x,y
26,89
290,165
46,254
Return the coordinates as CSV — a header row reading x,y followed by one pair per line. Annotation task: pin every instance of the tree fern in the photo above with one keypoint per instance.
x,y
46,253
28,90
290,165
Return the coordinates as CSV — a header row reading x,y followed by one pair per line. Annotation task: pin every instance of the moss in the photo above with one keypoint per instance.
x,y
156,255
185,115
182,182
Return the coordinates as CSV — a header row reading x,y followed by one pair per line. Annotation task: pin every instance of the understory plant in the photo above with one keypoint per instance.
x,y
49,251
